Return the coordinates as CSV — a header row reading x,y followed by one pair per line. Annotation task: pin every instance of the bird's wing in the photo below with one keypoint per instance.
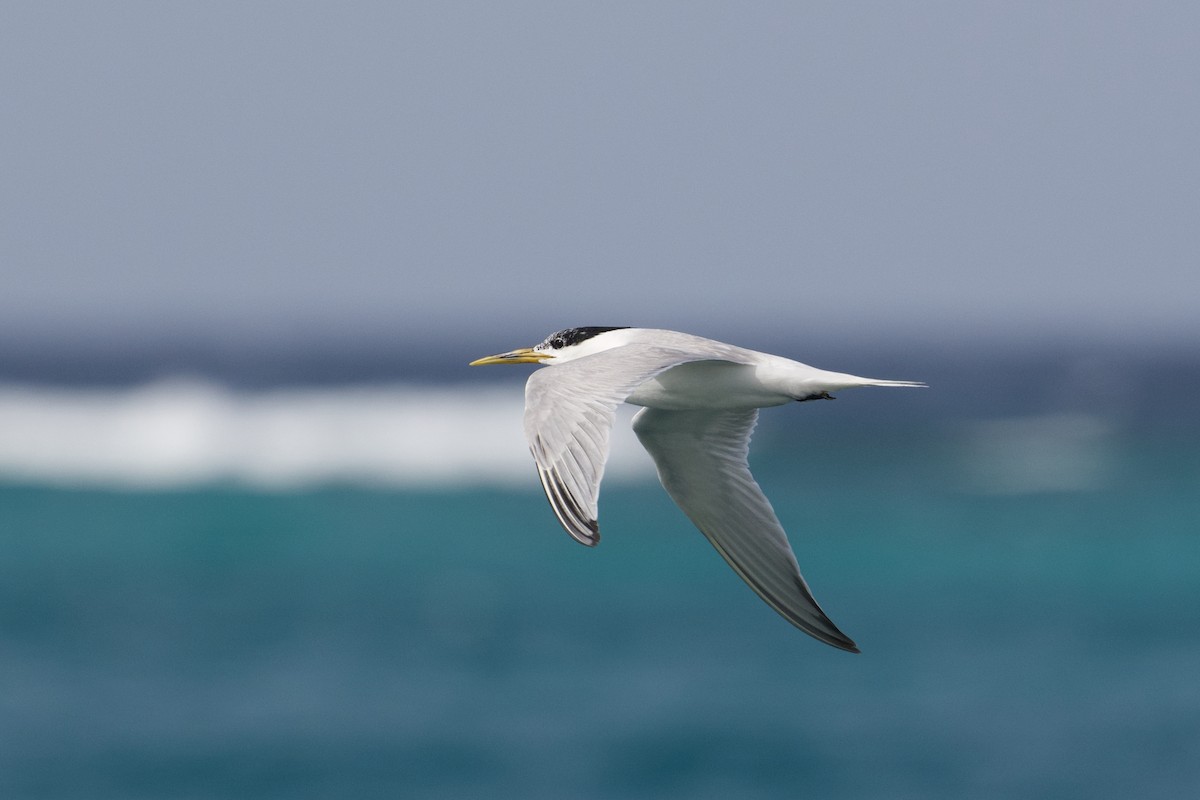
x,y
701,459
569,410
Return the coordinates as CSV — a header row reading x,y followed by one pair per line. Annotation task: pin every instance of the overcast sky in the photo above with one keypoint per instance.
x,y
264,170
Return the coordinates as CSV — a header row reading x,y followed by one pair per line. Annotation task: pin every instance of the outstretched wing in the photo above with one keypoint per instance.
x,y
702,462
569,410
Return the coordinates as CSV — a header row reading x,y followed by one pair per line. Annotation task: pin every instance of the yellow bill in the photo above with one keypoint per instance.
x,y
526,355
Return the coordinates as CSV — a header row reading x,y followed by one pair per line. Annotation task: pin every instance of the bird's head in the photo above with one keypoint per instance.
x,y
560,346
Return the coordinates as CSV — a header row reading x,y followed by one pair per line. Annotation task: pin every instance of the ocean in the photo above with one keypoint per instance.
x,y
209,590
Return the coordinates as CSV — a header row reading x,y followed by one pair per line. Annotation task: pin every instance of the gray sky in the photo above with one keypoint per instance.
x,y
259,170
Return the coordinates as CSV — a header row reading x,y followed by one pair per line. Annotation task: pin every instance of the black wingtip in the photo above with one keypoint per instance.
x,y
591,539
567,509
832,637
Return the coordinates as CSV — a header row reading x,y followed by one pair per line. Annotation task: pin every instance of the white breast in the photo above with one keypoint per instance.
x,y
710,385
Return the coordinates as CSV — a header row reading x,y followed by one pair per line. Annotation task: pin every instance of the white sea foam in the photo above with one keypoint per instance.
x,y
1043,453
181,432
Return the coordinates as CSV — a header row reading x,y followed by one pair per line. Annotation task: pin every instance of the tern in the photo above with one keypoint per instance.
x,y
700,401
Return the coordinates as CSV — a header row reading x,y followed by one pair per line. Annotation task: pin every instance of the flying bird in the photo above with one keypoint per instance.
x,y
700,401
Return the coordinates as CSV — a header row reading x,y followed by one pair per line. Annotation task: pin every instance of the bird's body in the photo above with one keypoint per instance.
x,y
700,403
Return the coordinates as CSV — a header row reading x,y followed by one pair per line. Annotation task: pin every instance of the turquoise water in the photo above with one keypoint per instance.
x,y
341,642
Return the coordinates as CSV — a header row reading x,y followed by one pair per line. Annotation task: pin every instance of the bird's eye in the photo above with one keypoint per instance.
x,y
558,343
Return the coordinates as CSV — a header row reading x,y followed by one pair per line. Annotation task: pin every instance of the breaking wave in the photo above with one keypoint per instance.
x,y
1040,453
182,433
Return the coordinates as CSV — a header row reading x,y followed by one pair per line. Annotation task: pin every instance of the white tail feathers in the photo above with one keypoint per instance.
x,y
913,384
821,380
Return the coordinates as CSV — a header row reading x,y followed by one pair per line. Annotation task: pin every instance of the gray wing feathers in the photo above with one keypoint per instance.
x,y
701,458
569,411
570,464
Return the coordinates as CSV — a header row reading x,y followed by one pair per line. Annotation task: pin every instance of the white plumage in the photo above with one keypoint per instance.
x,y
701,399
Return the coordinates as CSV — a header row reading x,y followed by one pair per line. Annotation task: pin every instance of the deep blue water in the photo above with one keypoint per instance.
x,y
342,642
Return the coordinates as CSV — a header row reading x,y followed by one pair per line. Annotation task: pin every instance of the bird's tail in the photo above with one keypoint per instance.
x,y
875,382
833,381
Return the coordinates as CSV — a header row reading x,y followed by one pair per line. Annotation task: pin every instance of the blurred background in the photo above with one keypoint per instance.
x,y
263,534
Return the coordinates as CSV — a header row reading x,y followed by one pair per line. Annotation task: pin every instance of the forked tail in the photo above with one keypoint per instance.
x,y
833,381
